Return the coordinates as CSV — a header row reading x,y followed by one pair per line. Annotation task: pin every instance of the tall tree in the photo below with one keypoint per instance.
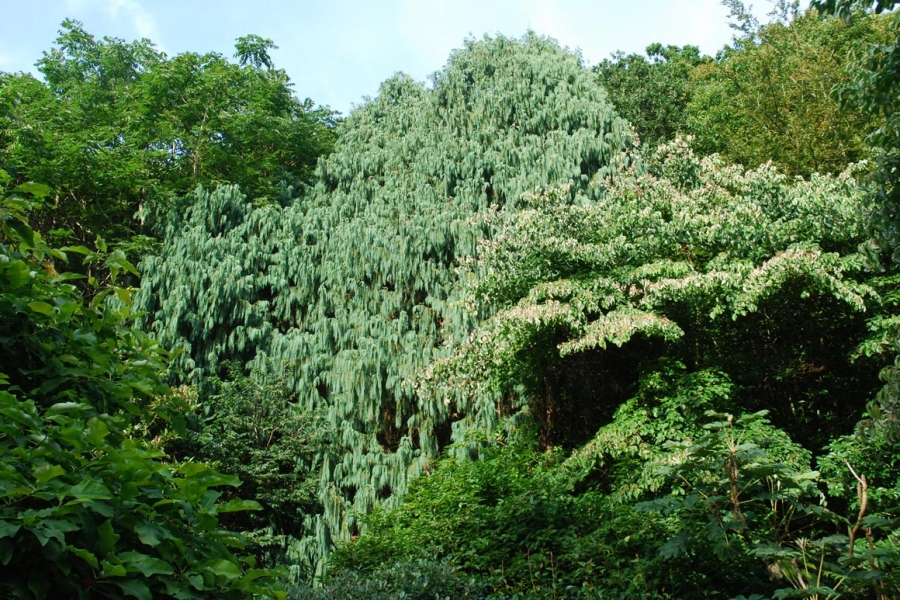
x,y
349,292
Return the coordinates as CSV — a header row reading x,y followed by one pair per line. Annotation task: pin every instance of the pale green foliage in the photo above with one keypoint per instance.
x,y
691,245
214,308
348,293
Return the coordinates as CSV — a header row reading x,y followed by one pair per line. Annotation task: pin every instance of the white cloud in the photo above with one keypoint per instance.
x,y
142,21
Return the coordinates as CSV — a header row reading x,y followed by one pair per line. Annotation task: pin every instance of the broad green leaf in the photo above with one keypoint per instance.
x,y
78,250
85,556
47,529
135,589
67,407
222,568
147,565
108,538
675,546
35,189
108,569
42,308
45,473
6,551
89,489
8,529
151,534
96,431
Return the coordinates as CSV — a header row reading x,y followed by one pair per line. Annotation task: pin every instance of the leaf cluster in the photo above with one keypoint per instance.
x,y
652,92
346,293
253,431
771,97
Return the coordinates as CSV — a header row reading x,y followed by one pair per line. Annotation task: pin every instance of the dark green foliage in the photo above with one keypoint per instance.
x,y
422,579
652,92
743,489
548,525
87,512
873,456
254,432
119,128
873,90
87,508
633,359
516,522
503,518
716,290
347,293
670,500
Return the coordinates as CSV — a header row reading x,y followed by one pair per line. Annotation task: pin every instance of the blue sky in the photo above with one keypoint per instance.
x,y
338,51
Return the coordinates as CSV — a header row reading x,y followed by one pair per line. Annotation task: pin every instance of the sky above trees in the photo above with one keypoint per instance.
x,y
338,52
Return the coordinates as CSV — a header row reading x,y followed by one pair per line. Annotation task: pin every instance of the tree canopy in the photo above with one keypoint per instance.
x,y
88,506
118,128
769,97
652,93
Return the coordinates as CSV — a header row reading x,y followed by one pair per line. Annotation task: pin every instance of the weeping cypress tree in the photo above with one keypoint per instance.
x,y
349,292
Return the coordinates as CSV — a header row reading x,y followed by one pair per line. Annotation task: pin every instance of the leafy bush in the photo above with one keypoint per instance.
x,y
514,523
86,508
711,265
662,503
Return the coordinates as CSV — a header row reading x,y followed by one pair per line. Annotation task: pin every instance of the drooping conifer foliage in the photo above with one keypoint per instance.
x,y
349,292
492,347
